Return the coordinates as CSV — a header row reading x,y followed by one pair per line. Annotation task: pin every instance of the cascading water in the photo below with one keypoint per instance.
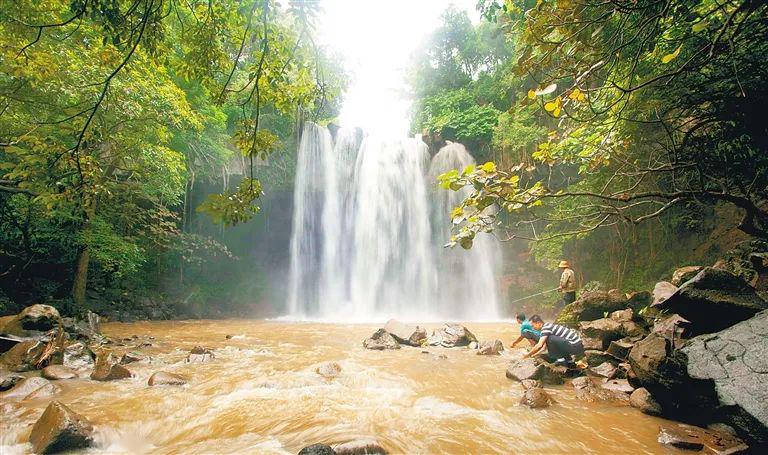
x,y
368,229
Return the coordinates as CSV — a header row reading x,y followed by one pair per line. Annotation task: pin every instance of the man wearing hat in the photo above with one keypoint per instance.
x,y
567,282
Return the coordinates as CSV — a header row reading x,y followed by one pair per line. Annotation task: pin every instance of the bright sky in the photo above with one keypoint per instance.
x,y
376,39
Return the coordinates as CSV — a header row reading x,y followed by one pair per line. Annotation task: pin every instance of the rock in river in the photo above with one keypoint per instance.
x,y
29,386
547,373
689,437
328,370
58,372
165,378
381,340
412,335
642,400
23,357
317,449
360,447
451,335
490,348
536,398
60,429
108,368
78,356
199,354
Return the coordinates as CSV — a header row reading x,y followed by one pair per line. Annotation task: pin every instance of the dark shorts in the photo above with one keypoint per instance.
x,y
560,348
569,297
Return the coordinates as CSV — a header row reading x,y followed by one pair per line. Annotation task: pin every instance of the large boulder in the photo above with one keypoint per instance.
x,y
490,348
60,429
108,368
545,372
620,349
412,335
690,437
23,357
735,360
714,300
32,321
595,304
451,335
595,357
380,341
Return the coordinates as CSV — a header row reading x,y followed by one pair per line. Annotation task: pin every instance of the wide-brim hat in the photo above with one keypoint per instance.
x,y
564,264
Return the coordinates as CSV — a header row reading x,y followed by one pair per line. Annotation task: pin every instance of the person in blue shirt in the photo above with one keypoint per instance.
x,y
527,331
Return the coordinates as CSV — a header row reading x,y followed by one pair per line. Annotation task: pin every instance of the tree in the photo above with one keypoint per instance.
x,y
656,105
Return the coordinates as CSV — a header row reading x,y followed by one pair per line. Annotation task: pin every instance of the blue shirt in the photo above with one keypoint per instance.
x,y
527,327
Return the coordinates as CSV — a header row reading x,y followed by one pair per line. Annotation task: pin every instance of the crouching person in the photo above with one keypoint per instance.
x,y
563,344
527,332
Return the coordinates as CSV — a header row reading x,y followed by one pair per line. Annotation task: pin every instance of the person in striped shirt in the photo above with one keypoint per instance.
x,y
563,344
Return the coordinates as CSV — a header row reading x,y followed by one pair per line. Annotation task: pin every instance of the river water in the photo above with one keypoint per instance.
x,y
261,395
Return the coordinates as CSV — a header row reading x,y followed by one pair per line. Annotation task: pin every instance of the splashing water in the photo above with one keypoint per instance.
x,y
369,225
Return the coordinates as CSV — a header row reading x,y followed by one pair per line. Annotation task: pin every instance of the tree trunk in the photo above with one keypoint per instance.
x,y
81,276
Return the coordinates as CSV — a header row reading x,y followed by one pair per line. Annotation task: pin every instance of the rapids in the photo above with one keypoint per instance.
x,y
261,395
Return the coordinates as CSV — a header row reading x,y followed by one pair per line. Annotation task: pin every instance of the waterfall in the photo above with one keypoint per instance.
x,y
368,227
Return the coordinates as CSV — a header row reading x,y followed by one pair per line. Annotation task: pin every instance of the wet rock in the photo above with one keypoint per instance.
x,y
547,373
58,372
604,329
689,437
671,327
27,386
587,390
60,429
317,449
33,320
536,398
165,378
199,354
23,357
87,329
684,274
595,357
641,399
490,348
451,335
594,305
736,361
604,370
78,356
328,370
411,335
109,369
617,385
531,384
620,349
360,447
714,300
133,357
8,381
473,345
662,291
380,341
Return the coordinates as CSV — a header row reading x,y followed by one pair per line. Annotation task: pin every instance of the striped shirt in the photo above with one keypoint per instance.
x,y
557,330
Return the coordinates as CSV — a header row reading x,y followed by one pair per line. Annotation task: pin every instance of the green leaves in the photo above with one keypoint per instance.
x,y
669,57
236,207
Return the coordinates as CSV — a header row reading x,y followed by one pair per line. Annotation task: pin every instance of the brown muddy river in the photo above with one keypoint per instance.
x,y
261,395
